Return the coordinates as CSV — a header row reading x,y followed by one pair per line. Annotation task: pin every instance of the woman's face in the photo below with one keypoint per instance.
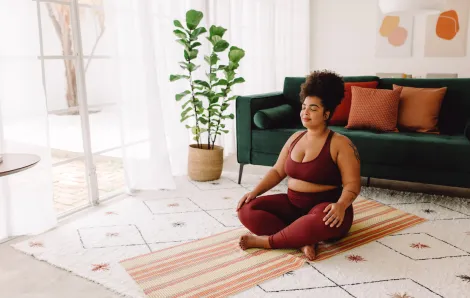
x,y
313,113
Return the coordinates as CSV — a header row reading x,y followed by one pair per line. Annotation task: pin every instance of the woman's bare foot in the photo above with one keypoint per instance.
x,y
309,251
252,241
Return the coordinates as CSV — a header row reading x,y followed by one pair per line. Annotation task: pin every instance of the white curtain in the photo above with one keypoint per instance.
x,y
26,201
274,34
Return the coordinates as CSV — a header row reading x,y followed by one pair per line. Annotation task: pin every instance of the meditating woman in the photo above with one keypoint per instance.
x,y
323,170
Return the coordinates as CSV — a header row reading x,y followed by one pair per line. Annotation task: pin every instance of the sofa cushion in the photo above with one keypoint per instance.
x,y
419,108
341,114
280,116
374,109
455,108
427,151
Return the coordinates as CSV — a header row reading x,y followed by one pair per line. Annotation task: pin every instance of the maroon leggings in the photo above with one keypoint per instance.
x,y
294,219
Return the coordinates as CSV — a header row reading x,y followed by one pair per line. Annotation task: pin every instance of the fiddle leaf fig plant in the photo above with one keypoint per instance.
x,y
207,99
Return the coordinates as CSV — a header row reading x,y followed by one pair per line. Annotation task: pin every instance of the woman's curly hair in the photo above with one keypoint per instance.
x,y
326,85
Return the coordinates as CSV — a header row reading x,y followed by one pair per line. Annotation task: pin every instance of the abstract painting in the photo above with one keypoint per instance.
x,y
394,35
446,33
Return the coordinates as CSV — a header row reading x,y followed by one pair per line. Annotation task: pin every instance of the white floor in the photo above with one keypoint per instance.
x,y
428,260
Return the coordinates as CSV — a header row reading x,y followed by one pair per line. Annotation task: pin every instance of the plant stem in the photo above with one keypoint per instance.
x,y
209,119
194,107
218,123
193,102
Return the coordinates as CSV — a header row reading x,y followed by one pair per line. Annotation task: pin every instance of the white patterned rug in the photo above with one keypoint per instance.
x,y
431,259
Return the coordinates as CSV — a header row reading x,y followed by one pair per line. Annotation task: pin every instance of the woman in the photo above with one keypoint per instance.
x,y
324,179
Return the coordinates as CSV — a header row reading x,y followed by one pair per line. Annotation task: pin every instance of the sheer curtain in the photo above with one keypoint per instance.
x,y
274,34
26,201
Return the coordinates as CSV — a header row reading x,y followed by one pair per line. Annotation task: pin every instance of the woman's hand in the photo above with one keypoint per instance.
x,y
335,214
246,199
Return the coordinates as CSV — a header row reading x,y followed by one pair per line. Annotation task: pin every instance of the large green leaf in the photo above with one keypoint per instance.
x,y
196,44
178,24
180,34
230,75
193,17
179,96
214,59
202,83
212,77
177,77
186,55
214,39
221,82
232,65
185,112
205,93
236,54
184,42
217,31
197,32
203,120
187,116
186,103
221,46
193,54
195,130
192,67
238,81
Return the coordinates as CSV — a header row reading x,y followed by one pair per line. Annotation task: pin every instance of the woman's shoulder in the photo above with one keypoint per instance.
x,y
340,141
294,136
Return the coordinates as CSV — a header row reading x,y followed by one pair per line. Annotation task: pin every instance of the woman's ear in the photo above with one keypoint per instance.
x,y
326,115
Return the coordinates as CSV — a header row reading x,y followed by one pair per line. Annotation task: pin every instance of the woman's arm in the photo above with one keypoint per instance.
x,y
349,165
276,174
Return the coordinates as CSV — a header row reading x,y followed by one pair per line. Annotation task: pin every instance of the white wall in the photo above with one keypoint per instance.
x,y
343,38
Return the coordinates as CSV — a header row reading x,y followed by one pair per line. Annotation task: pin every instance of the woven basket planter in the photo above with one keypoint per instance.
x,y
204,164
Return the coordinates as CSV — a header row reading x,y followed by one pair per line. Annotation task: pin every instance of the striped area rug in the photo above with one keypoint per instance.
x,y
209,267
216,267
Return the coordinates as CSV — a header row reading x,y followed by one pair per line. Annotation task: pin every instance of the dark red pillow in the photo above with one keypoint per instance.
x,y
341,114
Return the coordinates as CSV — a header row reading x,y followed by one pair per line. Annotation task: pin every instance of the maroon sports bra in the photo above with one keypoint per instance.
x,y
321,170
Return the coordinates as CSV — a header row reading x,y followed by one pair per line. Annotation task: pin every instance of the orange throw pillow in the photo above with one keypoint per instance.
x,y
419,108
341,114
374,109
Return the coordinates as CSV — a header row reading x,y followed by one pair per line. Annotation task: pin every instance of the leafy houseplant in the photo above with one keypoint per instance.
x,y
206,100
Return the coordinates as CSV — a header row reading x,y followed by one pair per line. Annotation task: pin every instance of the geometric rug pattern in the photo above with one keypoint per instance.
x,y
431,259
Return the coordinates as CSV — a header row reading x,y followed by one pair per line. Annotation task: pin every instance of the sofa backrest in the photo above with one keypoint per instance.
x,y
455,109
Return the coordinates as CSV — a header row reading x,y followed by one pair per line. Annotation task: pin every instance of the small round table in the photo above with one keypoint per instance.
x,y
17,162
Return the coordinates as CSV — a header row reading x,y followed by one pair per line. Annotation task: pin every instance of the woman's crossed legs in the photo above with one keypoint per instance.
x,y
284,225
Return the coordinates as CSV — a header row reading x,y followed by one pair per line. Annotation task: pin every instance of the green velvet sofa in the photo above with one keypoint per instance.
x,y
442,159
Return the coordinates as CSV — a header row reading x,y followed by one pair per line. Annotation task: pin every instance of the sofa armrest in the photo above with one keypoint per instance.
x,y
467,130
246,107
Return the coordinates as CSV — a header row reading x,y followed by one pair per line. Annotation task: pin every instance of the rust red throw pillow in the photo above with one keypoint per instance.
x,y
374,109
341,114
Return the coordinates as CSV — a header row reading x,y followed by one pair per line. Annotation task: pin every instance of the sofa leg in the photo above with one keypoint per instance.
x,y
368,181
240,173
